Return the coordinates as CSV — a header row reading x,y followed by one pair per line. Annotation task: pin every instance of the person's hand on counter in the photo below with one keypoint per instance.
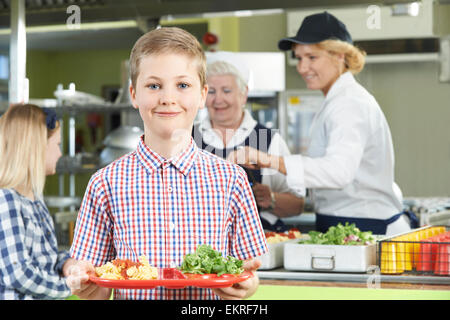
x,y
254,159
263,195
77,273
280,204
244,289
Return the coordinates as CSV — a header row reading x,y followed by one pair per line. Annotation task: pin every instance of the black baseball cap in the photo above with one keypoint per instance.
x,y
316,28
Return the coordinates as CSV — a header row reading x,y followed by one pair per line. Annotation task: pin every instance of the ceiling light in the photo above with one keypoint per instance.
x,y
406,9
83,26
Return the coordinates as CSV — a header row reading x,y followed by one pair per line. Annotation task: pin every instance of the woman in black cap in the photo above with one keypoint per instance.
x,y
349,164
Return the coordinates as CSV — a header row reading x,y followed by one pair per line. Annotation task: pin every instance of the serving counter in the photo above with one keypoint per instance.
x,y
280,284
411,265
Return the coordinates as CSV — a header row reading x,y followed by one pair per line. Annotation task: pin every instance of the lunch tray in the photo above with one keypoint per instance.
x,y
173,278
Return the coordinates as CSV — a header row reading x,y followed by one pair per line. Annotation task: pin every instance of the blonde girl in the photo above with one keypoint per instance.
x,y
31,267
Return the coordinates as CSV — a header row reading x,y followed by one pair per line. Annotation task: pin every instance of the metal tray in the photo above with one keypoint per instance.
x,y
274,257
329,258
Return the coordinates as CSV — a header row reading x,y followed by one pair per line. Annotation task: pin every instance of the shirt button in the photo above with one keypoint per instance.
x,y
169,189
172,226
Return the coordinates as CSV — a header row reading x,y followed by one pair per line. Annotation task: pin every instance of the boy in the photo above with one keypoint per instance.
x,y
168,196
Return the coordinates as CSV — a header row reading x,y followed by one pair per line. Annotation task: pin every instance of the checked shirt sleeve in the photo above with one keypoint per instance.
x,y
248,239
18,269
93,232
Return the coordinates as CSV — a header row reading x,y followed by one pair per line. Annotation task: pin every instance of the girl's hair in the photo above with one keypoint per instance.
x,y
23,142
220,68
354,56
167,40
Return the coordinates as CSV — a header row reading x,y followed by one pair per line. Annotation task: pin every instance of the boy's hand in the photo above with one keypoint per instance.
x,y
78,281
244,289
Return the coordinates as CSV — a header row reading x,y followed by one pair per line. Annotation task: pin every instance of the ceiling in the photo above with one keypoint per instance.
x,y
123,38
40,12
54,12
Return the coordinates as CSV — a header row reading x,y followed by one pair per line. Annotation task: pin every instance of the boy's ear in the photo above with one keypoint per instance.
x,y
133,96
204,93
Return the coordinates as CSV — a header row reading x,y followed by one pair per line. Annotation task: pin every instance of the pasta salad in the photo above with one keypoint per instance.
x,y
123,269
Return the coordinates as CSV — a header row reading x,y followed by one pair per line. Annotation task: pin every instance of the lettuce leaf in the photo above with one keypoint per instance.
x,y
341,235
206,260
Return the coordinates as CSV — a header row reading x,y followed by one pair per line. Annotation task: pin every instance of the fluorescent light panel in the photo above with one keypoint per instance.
x,y
83,26
133,23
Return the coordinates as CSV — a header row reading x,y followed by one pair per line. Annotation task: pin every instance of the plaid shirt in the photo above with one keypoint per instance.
x,y
143,204
30,264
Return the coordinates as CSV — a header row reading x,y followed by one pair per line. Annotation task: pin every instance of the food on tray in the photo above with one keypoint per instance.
x,y
341,235
124,269
206,260
277,237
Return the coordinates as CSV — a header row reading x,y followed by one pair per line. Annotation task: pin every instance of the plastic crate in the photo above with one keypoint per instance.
x,y
421,251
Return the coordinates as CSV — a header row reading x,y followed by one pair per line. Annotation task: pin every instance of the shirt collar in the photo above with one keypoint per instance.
x,y
212,138
248,123
343,81
152,161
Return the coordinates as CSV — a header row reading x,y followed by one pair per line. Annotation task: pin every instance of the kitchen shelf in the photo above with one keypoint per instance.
x,y
61,201
73,163
77,164
104,107
283,274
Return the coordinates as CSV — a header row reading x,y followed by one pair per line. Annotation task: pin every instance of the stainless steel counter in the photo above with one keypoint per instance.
x,y
283,274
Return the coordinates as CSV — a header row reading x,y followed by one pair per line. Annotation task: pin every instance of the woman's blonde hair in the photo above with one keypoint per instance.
x,y
23,142
354,56
167,40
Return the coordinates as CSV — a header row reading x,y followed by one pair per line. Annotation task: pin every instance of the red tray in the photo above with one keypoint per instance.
x,y
172,278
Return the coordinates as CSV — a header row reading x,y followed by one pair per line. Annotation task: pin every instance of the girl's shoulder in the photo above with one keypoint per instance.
x,y
12,198
9,200
8,194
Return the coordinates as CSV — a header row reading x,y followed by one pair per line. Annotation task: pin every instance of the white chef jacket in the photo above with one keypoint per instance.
x,y
349,164
272,178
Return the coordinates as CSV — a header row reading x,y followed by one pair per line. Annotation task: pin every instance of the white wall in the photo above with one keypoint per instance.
x,y
417,107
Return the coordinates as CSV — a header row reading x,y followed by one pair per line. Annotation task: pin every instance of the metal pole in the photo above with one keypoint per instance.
x,y
17,52
72,156
282,115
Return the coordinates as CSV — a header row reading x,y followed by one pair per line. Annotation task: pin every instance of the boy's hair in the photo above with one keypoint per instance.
x,y
167,40
23,142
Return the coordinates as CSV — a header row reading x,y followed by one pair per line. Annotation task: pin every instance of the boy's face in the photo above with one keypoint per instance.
x,y
168,94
